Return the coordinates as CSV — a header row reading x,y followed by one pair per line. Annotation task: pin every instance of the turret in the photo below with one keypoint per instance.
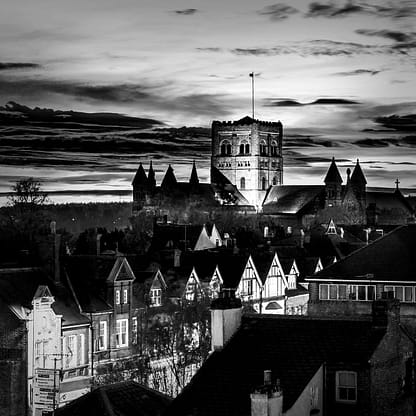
x,y
151,180
139,188
333,185
358,183
169,181
194,180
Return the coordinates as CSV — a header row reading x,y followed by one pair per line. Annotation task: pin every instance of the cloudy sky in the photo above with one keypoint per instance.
x,y
186,62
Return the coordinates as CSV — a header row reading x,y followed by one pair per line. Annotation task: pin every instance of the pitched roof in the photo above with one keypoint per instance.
x,y
140,177
126,398
358,175
333,175
293,348
290,199
390,258
194,180
18,286
151,180
169,179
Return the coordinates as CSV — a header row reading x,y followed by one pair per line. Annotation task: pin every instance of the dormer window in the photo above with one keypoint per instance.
x,y
346,386
155,297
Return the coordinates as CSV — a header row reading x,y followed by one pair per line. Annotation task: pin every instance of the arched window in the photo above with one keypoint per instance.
x,y
243,183
263,148
274,181
244,148
247,148
274,148
225,148
263,183
241,148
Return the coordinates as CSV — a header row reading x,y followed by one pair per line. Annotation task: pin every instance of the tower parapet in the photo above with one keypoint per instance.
x,y
248,152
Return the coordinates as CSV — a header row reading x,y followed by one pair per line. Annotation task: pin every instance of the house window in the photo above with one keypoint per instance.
x,y
402,293
346,386
243,183
274,181
125,298
346,292
156,297
191,293
81,355
102,336
122,339
117,297
71,351
134,330
248,287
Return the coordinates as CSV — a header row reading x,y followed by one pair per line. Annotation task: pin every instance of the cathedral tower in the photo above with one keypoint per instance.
x,y
248,153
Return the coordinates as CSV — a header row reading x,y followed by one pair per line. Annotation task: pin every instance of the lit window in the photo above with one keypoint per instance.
x,y
125,298
134,329
156,297
71,352
122,339
81,355
346,386
102,336
117,297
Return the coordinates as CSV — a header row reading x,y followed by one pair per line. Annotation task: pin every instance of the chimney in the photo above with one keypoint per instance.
x,y
226,313
386,312
267,400
98,244
177,258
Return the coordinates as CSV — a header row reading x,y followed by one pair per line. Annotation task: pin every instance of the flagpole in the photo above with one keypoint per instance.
x,y
252,93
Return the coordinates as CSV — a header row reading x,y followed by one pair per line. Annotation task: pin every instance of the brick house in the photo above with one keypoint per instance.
x,y
318,366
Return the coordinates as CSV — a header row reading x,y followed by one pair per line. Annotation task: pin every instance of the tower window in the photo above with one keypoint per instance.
x,y
263,183
263,148
243,183
225,148
244,148
274,148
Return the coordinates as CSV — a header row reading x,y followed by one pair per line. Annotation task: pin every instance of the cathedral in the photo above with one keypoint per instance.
x,y
247,177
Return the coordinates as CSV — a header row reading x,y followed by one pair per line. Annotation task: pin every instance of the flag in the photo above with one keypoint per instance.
x,y
251,74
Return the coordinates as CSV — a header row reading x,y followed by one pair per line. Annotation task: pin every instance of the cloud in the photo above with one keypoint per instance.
x,y
147,97
318,47
278,11
392,9
395,35
4,66
358,72
212,49
320,101
186,12
317,9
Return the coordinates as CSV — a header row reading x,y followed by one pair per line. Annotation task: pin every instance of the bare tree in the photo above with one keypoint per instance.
x,y
27,195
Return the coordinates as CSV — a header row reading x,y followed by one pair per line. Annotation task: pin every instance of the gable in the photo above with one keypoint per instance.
x,y
121,271
158,281
204,242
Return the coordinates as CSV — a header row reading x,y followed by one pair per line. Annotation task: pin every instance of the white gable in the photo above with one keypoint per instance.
x,y
158,281
204,242
215,236
331,229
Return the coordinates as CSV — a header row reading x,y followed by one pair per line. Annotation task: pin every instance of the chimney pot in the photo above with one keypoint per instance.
x,y
267,377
